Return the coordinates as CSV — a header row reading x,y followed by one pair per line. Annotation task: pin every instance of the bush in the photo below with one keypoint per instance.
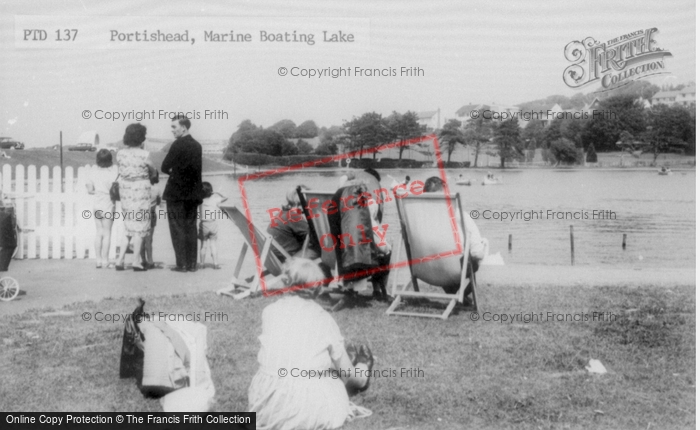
x,y
564,151
591,156
456,164
385,163
252,159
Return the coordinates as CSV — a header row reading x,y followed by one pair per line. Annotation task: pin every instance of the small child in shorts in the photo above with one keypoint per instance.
x,y
147,248
209,212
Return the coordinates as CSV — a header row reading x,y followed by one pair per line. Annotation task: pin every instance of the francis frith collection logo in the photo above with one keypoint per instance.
x,y
615,63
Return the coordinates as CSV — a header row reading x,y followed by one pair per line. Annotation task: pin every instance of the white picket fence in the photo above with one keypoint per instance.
x,y
56,221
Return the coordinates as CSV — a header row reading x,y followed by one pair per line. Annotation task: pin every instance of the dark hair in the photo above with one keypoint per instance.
x,y
433,184
104,158
373,172
134,135
153,175
207,189
183,120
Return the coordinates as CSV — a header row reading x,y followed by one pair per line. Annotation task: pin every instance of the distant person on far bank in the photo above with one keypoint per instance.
x,y
183,193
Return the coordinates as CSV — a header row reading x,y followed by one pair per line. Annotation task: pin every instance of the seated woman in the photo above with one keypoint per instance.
x,y
299,337
291,235
478,246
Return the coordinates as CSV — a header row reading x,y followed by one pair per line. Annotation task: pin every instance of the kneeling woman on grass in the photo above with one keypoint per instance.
x,y
299,342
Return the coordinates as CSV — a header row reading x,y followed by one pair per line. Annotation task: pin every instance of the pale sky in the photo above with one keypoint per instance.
x,y
505,52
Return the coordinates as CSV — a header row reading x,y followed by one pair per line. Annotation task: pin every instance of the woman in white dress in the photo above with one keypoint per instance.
x,y
299,342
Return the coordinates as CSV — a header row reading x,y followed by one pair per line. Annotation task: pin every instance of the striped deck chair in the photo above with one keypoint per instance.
x,y
265,244
432,252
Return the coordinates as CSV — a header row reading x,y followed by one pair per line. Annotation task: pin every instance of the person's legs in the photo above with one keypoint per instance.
x,y
176,222
379,279
122,252
137,242
190,234
98,241
147,249
106,239
203,251
214,251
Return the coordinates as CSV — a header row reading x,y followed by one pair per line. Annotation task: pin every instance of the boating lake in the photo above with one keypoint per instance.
x,y
656,212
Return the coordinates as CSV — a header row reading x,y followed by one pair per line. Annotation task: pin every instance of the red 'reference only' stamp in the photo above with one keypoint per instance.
x,y
317,207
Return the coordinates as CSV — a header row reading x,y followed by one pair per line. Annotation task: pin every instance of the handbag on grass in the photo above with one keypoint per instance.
x,y
114,190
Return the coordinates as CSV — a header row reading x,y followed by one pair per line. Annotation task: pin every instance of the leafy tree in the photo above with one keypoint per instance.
x,y
244,127
531,148
564,151
404,127
366,132
307,129
286,128
304,147
507,139
669,129
450,136
534,132
268,142
621,113
326,149
478,132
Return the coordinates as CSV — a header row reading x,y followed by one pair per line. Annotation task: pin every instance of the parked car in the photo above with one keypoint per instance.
x,y
82,147
8,143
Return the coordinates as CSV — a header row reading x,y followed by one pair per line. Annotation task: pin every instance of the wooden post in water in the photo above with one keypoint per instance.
x,y
571,237
624,240
510,242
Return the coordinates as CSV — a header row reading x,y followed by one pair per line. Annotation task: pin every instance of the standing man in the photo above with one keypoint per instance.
x,y
183,193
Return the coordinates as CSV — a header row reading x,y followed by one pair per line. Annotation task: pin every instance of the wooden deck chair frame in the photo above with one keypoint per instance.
x,y
409,233
319,225
239,288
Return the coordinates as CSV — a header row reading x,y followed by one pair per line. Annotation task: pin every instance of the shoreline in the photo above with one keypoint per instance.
x,y
58,283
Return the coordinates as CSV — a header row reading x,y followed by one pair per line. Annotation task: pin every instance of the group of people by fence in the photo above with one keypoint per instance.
x,y
131,178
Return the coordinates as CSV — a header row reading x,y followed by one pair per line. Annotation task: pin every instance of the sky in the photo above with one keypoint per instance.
x,y
496,52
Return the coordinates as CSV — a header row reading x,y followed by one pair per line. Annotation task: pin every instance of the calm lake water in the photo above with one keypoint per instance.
x,y
656,212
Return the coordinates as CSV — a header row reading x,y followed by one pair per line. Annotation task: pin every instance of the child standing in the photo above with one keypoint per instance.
x,y
98,184
209,212
147,249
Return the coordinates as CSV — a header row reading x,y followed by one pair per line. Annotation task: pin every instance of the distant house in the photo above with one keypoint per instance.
x,y
213,147
686,96
430,119
463,113
498,111
590,107
667,98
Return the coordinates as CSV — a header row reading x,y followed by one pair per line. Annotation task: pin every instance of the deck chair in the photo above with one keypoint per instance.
x,y
239,288
429,239
319,225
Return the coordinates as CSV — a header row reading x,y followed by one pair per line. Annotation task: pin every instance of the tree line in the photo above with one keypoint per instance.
x,y
620,123
365,132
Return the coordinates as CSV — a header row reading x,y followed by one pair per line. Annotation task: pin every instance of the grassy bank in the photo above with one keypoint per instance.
x,y
473,374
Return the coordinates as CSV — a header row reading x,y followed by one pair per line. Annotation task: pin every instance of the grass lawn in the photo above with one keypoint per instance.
x,y
481,374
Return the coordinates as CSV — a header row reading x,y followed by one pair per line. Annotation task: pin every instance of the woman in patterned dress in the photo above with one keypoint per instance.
x,y
134,192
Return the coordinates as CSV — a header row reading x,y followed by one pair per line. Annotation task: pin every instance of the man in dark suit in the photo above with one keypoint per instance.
x,y
183,193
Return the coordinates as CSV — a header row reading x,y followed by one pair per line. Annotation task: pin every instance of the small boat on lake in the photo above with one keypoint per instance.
x,y
493,180
464,182
665,172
